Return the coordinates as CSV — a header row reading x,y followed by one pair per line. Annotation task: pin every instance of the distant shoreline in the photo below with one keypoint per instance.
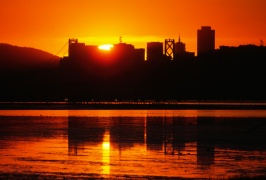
x,y
138,105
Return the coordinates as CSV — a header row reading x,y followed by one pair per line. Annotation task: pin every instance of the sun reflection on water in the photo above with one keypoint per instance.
x,y
106,153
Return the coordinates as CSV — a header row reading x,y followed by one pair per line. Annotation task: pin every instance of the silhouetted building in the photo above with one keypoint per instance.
x,y
205,39
91,59
139,55
76,50
180,47
154,51
123,51
181,54
124,48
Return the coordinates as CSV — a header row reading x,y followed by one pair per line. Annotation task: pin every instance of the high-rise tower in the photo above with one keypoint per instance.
x,y
154,51
180,47
205,39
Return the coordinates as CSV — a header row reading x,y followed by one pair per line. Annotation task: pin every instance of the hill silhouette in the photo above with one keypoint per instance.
x,y
15,58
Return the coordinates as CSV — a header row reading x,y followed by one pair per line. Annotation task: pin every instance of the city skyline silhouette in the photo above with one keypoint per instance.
x,y
47,25
89,73
158,56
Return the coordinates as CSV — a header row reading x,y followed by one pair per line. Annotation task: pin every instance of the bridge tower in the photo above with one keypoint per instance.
x,y
169,48
70,42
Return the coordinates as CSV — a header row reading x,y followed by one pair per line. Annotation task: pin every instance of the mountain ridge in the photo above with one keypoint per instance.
x,y
14,57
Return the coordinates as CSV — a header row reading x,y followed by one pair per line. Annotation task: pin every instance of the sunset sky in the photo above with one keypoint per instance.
x,y
47,24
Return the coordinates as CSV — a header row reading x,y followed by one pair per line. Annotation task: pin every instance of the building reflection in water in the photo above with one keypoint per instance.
x,y
83,131
198,139
154,133
125,132
169,135
205,140
188,147
111,133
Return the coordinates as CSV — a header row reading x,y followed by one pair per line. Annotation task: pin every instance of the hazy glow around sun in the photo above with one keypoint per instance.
x,y
106,47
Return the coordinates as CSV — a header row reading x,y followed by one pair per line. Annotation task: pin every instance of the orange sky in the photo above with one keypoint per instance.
x,y
47,24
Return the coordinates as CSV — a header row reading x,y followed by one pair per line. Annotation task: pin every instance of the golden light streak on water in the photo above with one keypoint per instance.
x,y
135,113
106,153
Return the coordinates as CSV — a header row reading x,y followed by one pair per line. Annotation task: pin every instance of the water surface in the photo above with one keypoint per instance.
x,y
133,143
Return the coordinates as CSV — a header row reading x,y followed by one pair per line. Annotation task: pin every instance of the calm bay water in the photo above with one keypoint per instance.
x,y
132,143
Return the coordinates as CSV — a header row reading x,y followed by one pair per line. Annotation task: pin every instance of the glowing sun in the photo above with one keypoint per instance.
x,y
106,47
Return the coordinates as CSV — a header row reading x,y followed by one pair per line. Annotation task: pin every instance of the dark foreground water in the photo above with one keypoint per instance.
x,y
38,144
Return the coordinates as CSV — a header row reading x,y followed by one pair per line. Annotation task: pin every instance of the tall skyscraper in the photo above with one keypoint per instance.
x,y
205,39
180,47
154,51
